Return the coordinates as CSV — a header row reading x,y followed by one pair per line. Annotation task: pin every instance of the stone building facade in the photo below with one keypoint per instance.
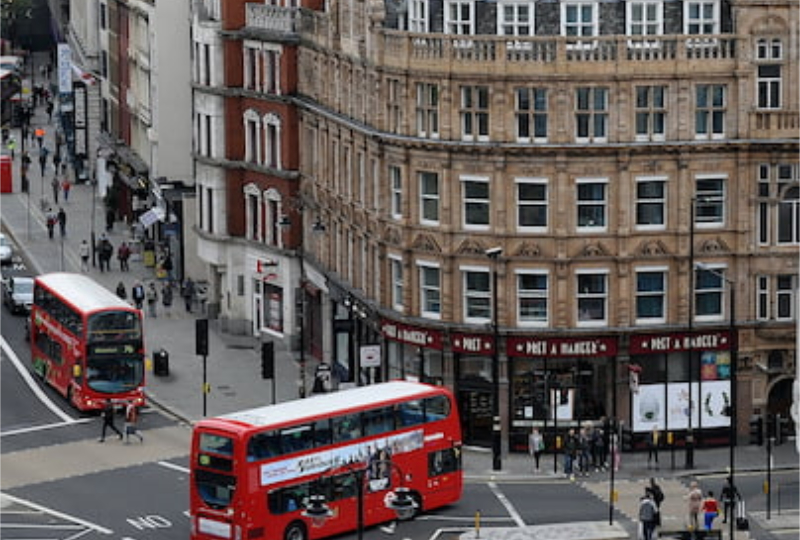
x,y
623,171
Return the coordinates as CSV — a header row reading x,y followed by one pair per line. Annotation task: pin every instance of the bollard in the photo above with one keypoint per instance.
x,y
477,524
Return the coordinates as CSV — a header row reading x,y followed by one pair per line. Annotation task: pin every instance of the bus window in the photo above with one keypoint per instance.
x,y
410,413
215,489
377,421
436,408
216,444
347,427
297,438
443,462
263,446
322,432
114,325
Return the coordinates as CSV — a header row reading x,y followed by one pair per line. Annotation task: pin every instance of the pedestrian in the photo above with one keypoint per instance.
x,y
167,266
730,497
39,133
570,450
84,251
599,449
647,515
710,510
657,494
166,298
121,292
188,294
535,447
52,218
57,159
66,185
43,152
152,299
62,221
108,421
56,188
12,146
137,293
123,254
26,162
109,219
653,441
131,423
49,110
106,251
584,442
695,502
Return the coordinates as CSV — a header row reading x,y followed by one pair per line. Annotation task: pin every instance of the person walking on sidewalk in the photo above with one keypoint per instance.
x,y
108,421
123,254
710,510
12,146
535,447
66,185
166,298
152,299
188,294
56,188
730,497
49,110
137,293
39,134
647,515
653,441
62,221
84,251
106,251
52,219
131,423
694,502
43,153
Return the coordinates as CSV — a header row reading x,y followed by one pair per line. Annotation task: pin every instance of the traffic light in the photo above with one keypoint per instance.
x,y
267,360
201,337
782,429
757,430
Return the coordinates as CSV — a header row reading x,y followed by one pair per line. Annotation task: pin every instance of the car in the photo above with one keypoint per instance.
x,y
6,252
18,293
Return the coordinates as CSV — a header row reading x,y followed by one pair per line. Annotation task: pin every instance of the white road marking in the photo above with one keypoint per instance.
x,y
507,504
26,376
32,429
61,515
174,467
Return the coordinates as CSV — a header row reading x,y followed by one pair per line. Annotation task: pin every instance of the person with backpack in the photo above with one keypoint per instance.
x,y
108,421
730,497
647,515
657,494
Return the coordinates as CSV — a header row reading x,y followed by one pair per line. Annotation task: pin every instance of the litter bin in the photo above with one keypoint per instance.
x,y
161,362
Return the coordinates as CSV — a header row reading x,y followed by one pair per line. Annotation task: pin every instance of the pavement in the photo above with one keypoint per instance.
x,y
233,369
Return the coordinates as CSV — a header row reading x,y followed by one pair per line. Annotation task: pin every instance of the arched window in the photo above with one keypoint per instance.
x,y
272,217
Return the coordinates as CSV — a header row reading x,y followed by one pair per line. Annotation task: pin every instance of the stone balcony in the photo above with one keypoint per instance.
x,y
271,18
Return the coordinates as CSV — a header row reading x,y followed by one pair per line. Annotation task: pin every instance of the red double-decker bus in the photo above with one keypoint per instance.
x,y
254,471
86,342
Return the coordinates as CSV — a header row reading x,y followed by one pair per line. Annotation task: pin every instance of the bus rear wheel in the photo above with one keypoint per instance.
x,y
296,531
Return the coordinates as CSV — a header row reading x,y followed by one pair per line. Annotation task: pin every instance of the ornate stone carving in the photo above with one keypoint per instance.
x,y
426,242
651,248
528,249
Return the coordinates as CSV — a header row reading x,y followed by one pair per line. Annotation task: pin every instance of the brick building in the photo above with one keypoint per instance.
x,y
623,171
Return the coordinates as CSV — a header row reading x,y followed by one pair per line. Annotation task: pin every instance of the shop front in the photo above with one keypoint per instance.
x,y
472,354
413,352
557,384
684,386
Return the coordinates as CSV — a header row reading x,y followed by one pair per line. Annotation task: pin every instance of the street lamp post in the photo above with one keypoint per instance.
x,y
734,359
494,254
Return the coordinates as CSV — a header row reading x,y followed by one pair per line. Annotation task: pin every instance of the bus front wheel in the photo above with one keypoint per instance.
x,y
296,531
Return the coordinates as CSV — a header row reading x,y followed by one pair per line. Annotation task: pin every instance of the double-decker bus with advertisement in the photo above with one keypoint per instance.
x,y
86,342
254,471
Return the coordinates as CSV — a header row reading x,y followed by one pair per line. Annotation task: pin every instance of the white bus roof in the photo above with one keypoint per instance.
x,y
300,409
81,291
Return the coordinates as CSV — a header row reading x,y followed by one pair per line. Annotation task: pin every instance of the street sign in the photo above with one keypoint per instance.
x,y
370,356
